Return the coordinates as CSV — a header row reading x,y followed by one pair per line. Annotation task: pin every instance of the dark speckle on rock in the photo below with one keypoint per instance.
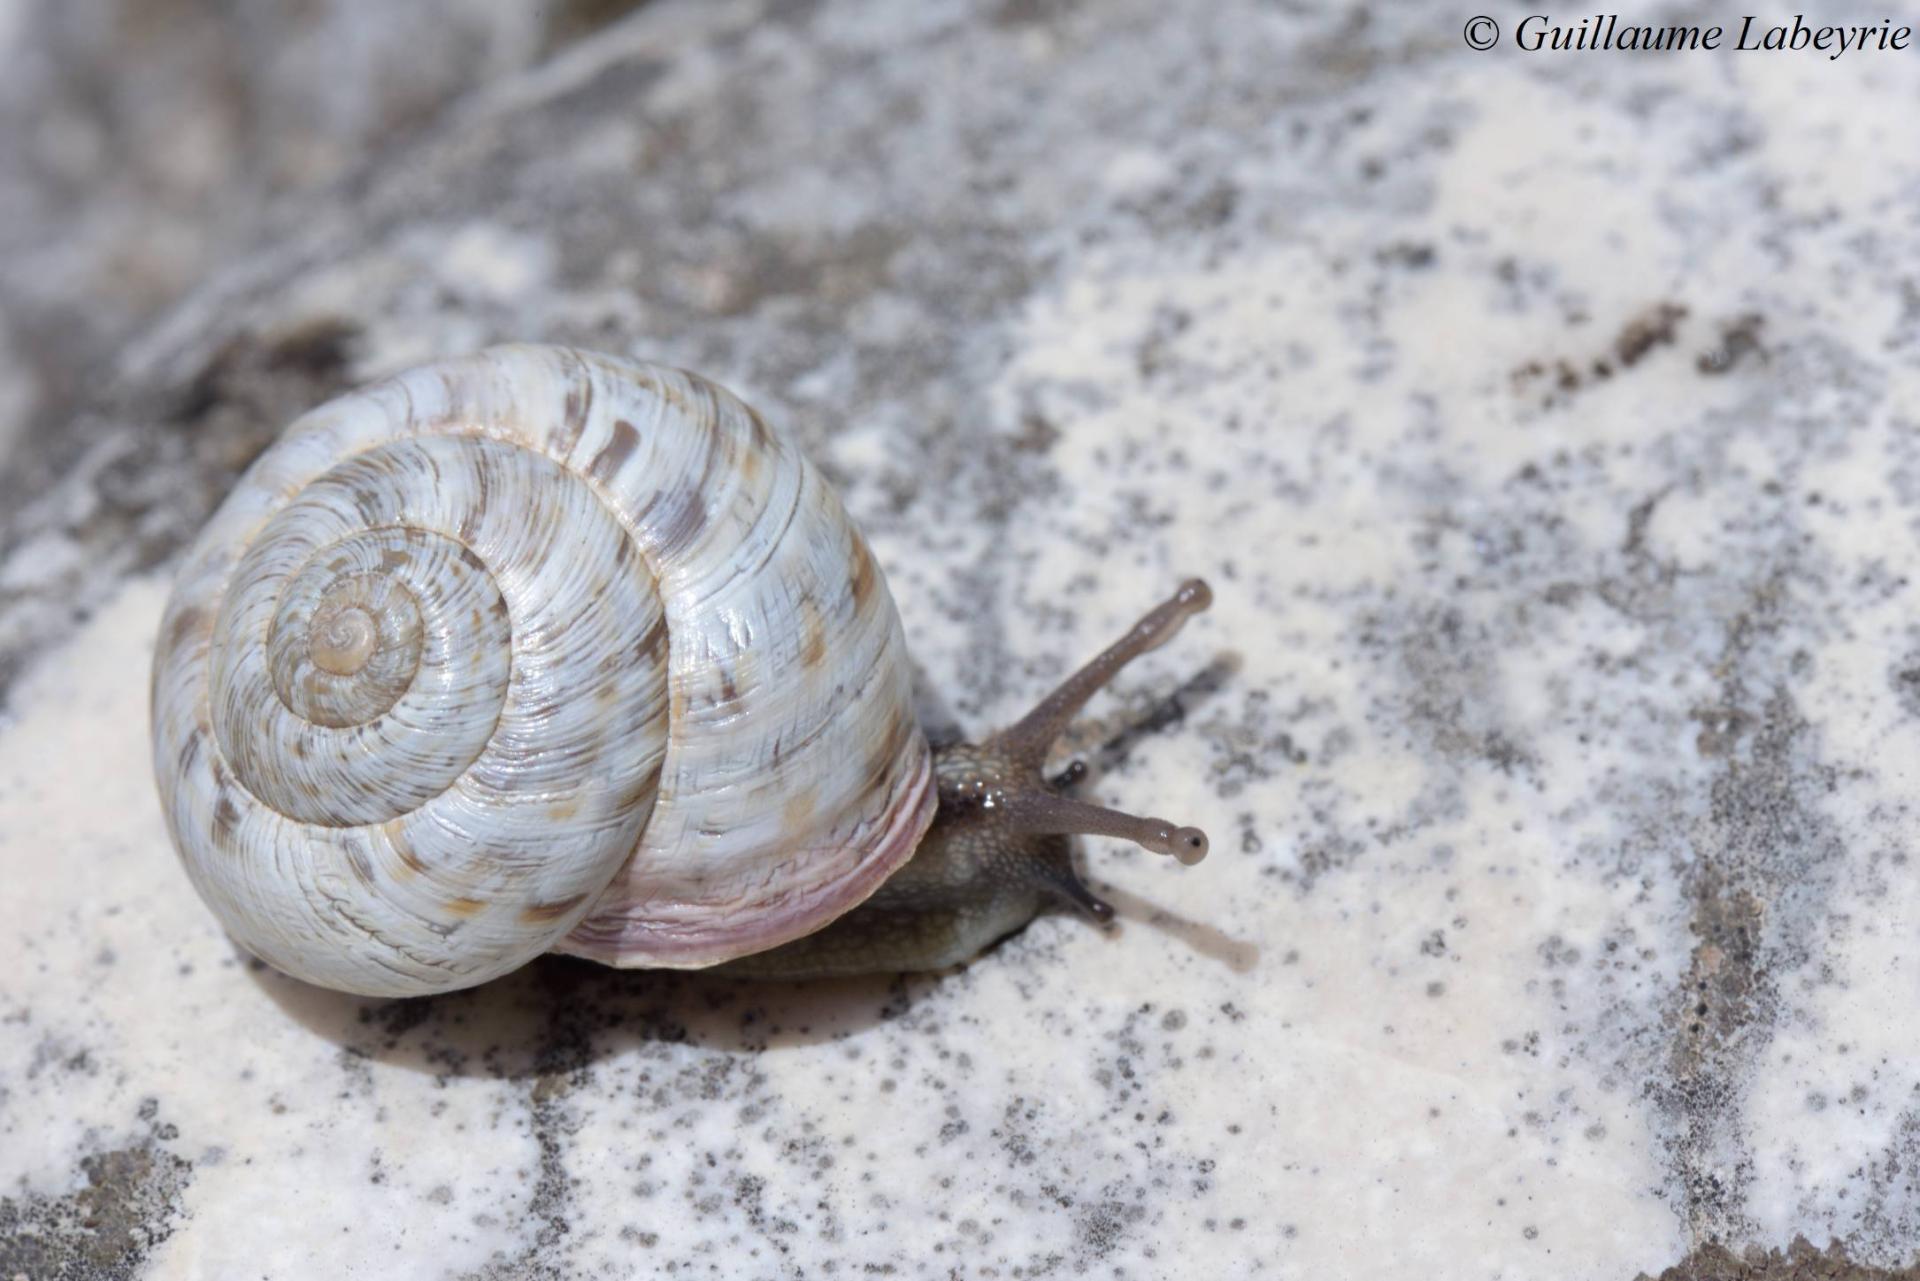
x,y
126,1206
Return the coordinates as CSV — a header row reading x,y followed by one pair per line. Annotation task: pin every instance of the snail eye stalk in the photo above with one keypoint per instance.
x,y
1030,738
1043,814
1039,810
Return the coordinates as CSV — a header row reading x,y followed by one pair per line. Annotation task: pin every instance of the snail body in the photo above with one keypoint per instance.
x,y
540,650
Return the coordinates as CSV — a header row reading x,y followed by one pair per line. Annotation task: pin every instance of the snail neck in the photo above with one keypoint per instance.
x,y
1000,847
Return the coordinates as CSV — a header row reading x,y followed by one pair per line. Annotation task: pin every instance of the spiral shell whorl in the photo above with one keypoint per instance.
x,y
434,666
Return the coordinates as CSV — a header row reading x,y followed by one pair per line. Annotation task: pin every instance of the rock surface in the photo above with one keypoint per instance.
x,y
1540,422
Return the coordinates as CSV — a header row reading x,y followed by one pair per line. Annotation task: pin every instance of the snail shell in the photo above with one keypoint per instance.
x,y
532,650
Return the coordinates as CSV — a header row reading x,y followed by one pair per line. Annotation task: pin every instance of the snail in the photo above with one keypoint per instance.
x,y
542,650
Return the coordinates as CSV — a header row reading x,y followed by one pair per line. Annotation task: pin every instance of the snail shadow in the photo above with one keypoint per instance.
x,y
1112,750
1201,938
1163,714
560,1014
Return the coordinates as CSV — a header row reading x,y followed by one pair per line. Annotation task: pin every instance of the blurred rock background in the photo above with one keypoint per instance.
x,y
1543,421
216,218
143,145
142,140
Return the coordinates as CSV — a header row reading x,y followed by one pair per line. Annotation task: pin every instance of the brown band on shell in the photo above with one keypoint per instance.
x,y
575,407
620,447
862,575
547,913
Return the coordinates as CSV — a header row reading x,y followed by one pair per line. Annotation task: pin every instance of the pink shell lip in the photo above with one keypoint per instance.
x,y
633,942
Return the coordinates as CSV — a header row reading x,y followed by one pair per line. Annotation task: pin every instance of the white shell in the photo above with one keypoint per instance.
x,y
532,650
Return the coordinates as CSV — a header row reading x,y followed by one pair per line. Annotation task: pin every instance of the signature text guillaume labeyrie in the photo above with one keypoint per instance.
x,y
1607,32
